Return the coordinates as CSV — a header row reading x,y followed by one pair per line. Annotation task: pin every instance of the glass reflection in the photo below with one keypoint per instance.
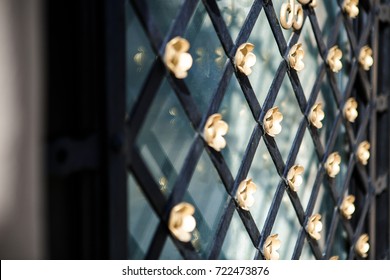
x,y
207,193
165,138
139,57
237,245
209,58
142,221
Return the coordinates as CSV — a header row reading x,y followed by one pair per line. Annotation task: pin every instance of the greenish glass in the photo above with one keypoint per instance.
x,y
209,59
165,138
207,193
139,57
237,244
234,14
235,111
268,58
142,220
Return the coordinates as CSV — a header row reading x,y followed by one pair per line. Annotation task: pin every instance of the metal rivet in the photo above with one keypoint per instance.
x,y
181,221
214,130
177,58
245,58
245,192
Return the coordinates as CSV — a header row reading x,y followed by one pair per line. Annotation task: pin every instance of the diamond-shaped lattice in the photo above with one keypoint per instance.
x,y
234,14
143,222
237,245
268,58
206,183
165,138
208,59
139,57
168,134
236,113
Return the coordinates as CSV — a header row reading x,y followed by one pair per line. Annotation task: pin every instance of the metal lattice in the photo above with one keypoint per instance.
x,y
360,85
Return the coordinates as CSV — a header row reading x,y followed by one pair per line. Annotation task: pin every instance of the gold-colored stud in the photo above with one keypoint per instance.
x,y
334,59
347,207
272,120
313,3
295,56
363,152
350,7
316,115
291,15
177,58
332,164
245,58
271,245
362,246
181,221
334,258
350,109
314,226
214,131
365,58
294,177
245,192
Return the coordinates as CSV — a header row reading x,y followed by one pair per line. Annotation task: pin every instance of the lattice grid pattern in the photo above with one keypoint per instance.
x,y
358,178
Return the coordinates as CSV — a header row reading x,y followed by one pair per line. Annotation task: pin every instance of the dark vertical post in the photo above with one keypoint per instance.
x,y
383,135
114,125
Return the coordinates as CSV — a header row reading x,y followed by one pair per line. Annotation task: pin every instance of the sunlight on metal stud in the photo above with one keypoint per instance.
x,y
316,115
365,58
332,164
347,207
314,226
350,7
363,152
350,109
271,245
294,177
362,246
245,58
214,131
181,221
177,58
245,192
291,15
272,120
295,57
334,59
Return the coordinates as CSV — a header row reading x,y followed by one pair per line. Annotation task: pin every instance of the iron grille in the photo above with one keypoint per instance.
x,y
358,180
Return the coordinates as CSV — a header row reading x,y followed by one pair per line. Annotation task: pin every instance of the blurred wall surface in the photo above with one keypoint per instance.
x,y
21,207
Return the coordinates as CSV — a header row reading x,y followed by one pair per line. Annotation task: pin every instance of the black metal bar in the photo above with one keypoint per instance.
x,y
221,231
115,127
356,74
219,25
275,27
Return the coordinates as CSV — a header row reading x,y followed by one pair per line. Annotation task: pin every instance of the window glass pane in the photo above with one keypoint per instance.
x,y
165,138
142,220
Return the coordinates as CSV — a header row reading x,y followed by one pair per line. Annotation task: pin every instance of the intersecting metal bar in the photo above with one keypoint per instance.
x,y
219,25
198,120
249,23
219,93
317,34
248,158
142,105
222,229
275,27
360,225
158,201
